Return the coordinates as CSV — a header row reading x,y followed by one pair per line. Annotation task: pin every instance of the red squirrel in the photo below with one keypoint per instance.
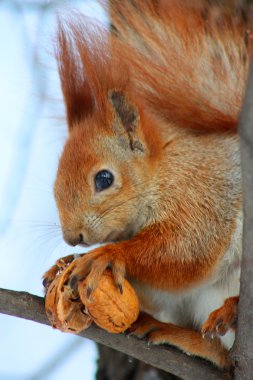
x,y
152,166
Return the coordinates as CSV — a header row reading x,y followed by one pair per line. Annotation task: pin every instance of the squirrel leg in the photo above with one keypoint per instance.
x,y
138,258
144,325
222,319
187,340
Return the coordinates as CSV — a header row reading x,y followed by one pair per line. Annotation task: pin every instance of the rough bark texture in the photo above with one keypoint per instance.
x,y
242,352
113,365
25,305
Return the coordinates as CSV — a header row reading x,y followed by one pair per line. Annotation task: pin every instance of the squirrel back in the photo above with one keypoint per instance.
x,y
189,60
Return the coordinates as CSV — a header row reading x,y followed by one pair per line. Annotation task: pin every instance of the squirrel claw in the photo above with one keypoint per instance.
x,y
120,286
73,283
46,282
89,291
221,320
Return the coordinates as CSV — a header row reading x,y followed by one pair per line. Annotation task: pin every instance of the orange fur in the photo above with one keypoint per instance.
x,y
188,340
183,241
157,106
196,58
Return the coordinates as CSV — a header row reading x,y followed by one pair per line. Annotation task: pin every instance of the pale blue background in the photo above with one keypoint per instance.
x,y
32,133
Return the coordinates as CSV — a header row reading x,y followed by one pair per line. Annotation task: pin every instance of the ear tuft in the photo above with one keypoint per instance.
x,y
75,87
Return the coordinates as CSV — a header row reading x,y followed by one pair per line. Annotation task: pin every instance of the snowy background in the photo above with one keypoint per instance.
x,y
32,133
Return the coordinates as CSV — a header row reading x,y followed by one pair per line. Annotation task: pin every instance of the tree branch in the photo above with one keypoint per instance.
x,y
242,352
28,306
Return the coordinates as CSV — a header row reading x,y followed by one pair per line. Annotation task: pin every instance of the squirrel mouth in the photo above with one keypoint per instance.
x,y
116,236
111,237
85,245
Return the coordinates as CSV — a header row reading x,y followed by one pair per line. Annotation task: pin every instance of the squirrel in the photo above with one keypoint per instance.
x,y
151,166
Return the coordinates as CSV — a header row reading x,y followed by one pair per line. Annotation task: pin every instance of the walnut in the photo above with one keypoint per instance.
x,y
107,307
65,310
111,310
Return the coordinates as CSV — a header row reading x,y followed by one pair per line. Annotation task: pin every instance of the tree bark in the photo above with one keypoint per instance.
x,y
168,359
114,365
242,352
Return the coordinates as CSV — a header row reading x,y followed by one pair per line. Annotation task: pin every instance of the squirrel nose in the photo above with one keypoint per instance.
x,y
74,239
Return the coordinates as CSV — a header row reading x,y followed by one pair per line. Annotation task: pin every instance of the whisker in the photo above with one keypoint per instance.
x,y
45,238
35,223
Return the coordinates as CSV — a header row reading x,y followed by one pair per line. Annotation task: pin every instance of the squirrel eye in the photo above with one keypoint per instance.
x,y
103,180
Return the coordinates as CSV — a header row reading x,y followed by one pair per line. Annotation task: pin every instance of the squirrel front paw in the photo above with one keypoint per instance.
x,y
221,320
93,264
69,308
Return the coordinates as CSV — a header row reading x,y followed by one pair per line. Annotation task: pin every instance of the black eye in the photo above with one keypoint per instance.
x,y
103,180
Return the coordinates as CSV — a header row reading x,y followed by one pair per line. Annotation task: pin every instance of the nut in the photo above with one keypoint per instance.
x,y
65,310
111,310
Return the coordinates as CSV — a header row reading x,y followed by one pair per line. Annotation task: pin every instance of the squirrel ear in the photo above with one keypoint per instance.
x,y
128,116
77,93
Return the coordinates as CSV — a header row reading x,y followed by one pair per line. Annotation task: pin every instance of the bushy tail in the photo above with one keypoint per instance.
x,y
189,61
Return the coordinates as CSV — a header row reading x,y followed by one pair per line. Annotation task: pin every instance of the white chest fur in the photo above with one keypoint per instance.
x,y
191,308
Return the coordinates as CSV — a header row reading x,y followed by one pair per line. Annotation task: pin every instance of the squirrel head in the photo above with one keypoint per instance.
x,y
105,176
105,171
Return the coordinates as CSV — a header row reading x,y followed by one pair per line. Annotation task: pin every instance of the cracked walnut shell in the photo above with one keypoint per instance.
x,y
64,310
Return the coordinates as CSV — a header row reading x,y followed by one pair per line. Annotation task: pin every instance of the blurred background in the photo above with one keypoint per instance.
x,y
32,134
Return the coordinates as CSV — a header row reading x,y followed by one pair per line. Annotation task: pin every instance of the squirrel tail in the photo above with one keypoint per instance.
x,y
189,61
